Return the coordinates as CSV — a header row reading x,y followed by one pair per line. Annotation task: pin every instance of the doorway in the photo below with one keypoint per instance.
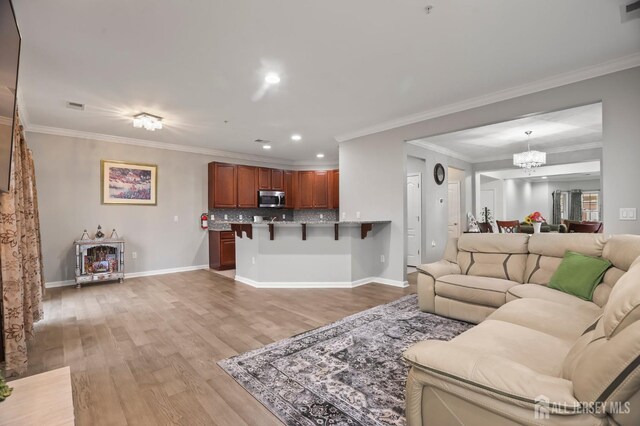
x,y
454,209
414,219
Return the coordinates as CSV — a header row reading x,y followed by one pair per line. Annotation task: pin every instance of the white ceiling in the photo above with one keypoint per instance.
x,y
560,172
569,129
345,65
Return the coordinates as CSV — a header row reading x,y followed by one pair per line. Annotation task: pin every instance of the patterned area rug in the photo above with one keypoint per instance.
x,y
350,372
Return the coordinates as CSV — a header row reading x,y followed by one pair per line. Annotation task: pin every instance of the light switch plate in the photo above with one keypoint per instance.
x,y
629,213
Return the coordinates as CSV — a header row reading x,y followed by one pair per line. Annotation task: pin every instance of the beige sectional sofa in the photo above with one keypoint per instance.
x,y
538,356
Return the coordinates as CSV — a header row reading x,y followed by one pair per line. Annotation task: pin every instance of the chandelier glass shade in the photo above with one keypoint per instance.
x,y
529,159
147,121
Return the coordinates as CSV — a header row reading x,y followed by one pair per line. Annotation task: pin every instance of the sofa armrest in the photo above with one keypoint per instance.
x,y
491,375
439,269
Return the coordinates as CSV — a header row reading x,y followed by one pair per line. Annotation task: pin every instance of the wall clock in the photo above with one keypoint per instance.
x,y
438,173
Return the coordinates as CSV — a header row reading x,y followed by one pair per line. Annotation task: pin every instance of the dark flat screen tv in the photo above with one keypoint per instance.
x,y
9,63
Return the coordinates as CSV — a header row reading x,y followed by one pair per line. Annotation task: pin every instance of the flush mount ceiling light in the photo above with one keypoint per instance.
x,y
272,78
296,137
320,155
266,146
147,121
529,160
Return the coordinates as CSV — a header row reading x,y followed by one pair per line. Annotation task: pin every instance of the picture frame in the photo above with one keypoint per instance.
x,y
128,183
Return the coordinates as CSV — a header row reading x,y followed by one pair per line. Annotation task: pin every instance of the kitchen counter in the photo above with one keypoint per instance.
x,y
310,254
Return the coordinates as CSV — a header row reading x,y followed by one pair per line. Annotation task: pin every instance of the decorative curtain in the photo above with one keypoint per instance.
x,y
21,275
557,210
575,205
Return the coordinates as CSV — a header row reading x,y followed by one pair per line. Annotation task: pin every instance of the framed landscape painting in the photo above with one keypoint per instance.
x,y
129,183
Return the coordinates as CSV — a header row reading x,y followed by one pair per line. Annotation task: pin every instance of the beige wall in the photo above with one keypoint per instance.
x,y
68,179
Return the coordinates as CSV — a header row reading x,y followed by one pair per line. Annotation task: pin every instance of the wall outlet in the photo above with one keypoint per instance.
x,y
226,217
253,260
175,218
321,216
213,217
134,254
284,216
344,215
628,214
357,215
433,243
240,217
382,258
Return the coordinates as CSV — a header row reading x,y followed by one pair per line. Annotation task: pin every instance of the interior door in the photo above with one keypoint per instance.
x,y
454,209
414,219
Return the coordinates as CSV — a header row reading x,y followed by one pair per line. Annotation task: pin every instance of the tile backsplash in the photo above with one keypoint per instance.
x,y
217,220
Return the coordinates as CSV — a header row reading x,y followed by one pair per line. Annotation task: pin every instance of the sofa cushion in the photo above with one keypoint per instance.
x,y
477,290
622,250
555,245
579,274
536,291
534,349
493,255
567,322
623,307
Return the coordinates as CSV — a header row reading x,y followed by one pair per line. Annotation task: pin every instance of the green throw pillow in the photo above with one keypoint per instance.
x,y
579,274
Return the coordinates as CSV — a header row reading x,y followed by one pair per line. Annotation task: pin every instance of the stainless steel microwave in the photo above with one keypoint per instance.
x,y
272,199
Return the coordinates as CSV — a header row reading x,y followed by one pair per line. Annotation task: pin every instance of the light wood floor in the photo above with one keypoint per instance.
x,y
144,352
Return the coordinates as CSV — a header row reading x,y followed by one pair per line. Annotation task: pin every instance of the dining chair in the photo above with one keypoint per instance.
x,y
508,226
485,228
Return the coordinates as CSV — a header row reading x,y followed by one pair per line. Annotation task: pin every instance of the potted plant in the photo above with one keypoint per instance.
x,y
536,220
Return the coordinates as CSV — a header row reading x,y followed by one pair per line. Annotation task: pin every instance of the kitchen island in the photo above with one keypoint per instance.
x,y
310,254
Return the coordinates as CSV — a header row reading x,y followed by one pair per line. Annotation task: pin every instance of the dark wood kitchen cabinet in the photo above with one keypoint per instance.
x,y
264,178
305,188
222,250
222,185
288,179
277,182
321,190
247,187
334,189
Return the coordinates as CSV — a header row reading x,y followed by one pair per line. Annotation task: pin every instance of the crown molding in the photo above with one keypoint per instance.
x,y
473,160
441,150
227,155
619,64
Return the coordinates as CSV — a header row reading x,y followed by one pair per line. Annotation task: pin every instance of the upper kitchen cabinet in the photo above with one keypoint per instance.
x,y
247,186
223,184
264,178
305,187
334,189
289,188
321,190
277,182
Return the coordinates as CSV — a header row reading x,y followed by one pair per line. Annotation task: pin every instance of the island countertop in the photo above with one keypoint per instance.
x,y
226,225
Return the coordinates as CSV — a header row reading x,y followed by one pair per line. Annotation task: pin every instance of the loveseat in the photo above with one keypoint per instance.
x,y
538,356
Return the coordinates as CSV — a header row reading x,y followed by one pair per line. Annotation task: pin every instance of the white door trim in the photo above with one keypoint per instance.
x,y
415,259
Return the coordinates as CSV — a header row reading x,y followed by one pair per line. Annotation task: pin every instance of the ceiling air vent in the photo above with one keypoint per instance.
x,y
630,11
75,105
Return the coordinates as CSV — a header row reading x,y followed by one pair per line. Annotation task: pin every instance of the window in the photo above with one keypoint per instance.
x,y
591,206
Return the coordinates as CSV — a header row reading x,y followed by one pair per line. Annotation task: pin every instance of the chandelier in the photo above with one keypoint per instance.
x,y
148,121
529,160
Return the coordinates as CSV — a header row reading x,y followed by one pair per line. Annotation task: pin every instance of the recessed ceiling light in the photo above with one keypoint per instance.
x,y
266,146
296,137
320,155
544,177
272,78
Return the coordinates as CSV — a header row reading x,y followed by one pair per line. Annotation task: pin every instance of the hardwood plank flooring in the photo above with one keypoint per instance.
x,y
144,352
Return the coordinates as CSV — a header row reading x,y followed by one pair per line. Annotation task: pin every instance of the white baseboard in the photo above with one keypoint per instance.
x,y
53,284
330,284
